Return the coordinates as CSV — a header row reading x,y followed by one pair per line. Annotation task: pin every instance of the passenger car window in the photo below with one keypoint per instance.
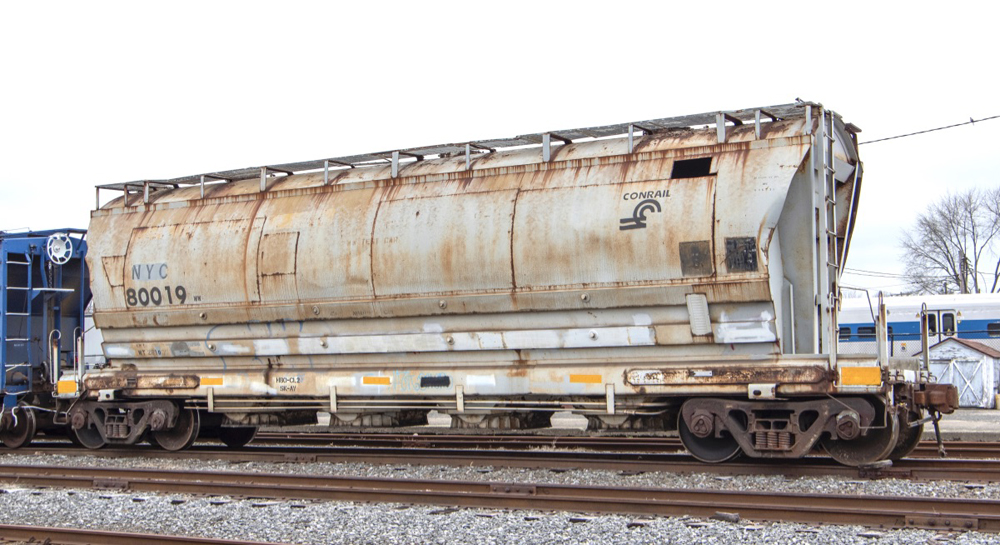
x,y
993,329
845,333
948,323
932,324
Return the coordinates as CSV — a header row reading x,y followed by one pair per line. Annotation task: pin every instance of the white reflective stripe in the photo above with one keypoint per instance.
x,y
118,351
642,319
410,342
480,380
261,347
744,332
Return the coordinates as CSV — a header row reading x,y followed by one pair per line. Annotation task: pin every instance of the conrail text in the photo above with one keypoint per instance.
x,y
636,195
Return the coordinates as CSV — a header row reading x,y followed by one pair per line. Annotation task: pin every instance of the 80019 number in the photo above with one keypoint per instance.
x,y
155,296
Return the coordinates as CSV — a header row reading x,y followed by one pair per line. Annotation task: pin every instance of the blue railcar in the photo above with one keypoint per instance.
x,y
44,291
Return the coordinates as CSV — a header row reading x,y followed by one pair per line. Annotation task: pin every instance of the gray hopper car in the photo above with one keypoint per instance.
x,y
677,273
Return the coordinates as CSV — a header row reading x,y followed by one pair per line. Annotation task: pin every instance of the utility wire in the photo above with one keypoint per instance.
x,y
969,122
883,274
880,274
864,272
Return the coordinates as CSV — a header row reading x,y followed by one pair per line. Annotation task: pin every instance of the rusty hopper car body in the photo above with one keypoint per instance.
x,y
674,272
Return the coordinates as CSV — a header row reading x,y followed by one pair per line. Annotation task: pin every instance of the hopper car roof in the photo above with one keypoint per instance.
x,y
734,117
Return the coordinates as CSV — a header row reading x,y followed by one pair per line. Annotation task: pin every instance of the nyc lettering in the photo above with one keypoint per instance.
x,y
145,272
157,295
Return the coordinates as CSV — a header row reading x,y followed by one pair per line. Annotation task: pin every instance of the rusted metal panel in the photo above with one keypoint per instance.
x,y
334,249
741,254
276,265
277,255
135,380
734,291
696,258
750,203
649,170
727,374
439,245
620,235
204,262
479,377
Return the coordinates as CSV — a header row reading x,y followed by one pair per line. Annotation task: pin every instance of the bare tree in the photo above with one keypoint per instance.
x,y
954,245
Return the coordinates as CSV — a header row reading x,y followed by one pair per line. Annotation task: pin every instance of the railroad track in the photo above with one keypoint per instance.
x,y
926,449
881,511
624,462
82,536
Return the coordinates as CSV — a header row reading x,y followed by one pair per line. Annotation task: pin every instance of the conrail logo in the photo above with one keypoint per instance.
x,y
638,219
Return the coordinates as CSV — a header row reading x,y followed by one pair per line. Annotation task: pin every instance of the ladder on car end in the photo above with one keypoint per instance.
x,y
15,306
827,251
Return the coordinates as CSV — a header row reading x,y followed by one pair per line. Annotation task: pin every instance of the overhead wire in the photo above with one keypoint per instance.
x,y
969,122
863,272
880,274
894,276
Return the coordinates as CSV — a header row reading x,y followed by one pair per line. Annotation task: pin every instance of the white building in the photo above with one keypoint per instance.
x,y
972,367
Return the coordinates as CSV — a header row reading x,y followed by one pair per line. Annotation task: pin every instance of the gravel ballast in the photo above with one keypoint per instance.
x,y
347,522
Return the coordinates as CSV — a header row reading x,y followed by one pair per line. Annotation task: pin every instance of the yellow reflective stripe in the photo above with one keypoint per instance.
x,y
586,379
66,387
382,381
211,381
860,376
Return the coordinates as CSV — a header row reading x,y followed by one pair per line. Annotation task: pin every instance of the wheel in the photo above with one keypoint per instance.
x,y
23,429
71,435
708,449
865,449
182,435
87,436
237,437
909,437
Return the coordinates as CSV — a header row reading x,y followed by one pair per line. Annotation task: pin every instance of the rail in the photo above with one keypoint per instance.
x,y
917,469
83,536
883,511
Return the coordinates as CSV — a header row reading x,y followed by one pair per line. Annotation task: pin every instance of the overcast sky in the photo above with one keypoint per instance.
x,y
108,92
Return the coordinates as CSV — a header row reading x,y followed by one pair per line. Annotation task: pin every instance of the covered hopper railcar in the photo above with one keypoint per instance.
x,y
678,272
